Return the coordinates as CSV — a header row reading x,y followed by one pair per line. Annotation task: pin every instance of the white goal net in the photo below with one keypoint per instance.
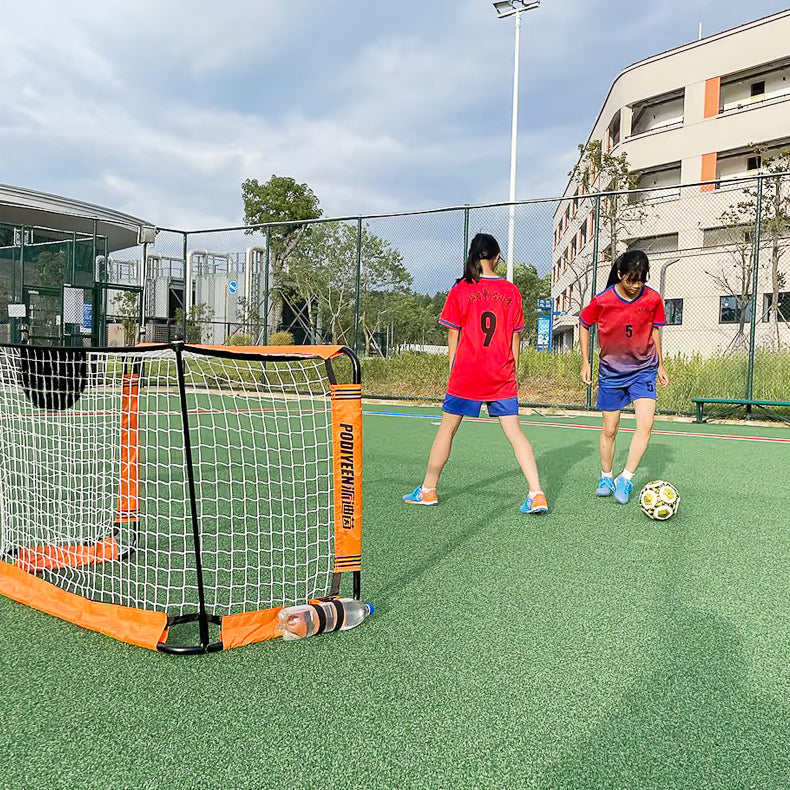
x,y
194,482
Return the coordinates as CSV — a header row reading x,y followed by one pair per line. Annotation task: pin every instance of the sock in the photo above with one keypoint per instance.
x,y
626,474
531,494
606,474
426,490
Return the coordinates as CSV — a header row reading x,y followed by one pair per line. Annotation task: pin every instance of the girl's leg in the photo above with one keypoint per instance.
x,y
611,422
522,448
440,450
645,409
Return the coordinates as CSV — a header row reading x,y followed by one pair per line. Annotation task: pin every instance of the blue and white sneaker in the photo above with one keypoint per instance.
x,y
420,497
623,489
605,486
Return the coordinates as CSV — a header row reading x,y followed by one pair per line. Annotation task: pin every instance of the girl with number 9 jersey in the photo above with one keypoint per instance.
x,y
484,318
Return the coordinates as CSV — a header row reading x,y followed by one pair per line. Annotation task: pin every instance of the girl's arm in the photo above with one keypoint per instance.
x,y
516,346
584,343
662,373
452,344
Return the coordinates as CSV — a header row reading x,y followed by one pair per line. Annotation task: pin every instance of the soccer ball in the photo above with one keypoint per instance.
x,y
659,500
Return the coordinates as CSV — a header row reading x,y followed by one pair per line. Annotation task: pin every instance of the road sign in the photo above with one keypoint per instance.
x,y
233,286
544,332
544,304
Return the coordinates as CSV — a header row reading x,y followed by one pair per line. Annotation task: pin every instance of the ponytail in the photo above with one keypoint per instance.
x,y
483,245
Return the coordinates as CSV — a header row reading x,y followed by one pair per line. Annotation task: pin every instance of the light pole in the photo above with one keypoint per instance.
x,y
505,8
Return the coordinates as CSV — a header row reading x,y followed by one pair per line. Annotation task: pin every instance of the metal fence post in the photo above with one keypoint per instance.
x,y
359,286
266,291
466,231
594,287
187,284
755,284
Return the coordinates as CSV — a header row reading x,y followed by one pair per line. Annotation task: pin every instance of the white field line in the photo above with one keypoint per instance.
x,y
535,423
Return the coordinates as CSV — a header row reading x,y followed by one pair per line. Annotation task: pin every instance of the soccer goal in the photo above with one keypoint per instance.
x,y
176,496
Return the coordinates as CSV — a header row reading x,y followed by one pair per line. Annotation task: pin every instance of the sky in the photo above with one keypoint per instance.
x,y
161,109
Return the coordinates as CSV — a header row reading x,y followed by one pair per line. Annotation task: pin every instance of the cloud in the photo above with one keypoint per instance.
x,y
162,110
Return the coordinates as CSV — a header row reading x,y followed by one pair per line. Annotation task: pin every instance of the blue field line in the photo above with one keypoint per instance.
x,y
734,437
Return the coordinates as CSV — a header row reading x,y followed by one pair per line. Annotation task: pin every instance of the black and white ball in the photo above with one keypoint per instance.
x,y
659,500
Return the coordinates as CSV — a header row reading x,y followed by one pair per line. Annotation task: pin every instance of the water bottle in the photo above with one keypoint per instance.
x,y
336,614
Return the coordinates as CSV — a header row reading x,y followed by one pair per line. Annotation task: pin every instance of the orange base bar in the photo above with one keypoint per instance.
x,y
137,626
248,627
45,558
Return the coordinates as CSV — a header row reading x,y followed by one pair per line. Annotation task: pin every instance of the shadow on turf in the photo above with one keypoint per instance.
x,y
553,466
692,722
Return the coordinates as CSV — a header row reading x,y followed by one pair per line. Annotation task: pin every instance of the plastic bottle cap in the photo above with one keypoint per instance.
x,y
370,608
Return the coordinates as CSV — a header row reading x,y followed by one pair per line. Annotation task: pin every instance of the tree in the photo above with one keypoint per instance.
x,y
127,308
774,223
323,272
199,314
734,277
280,199
599,170
532,287
249,317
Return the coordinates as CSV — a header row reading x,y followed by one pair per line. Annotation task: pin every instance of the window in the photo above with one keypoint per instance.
x,y
674,311
754,162
731,308
758,88
783,309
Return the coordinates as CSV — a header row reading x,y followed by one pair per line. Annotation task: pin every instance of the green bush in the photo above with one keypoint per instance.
x,y
554,378
239,340
281,339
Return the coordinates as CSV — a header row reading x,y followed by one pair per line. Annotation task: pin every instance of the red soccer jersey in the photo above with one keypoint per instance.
x,y
487,314
625,332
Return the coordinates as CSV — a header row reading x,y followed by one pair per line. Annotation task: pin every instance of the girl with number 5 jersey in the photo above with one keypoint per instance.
x,y
629,315
484,318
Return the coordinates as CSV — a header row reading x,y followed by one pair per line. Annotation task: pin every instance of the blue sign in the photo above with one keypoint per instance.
x,y
544,304
87,315
233,286
544,332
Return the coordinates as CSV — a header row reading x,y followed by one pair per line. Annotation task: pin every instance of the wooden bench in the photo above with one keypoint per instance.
x,y
765,405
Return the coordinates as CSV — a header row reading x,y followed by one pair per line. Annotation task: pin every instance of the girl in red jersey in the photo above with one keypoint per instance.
x,y
484,318
629,315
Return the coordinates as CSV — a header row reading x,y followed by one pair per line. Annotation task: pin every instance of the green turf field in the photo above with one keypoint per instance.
x,y
588,648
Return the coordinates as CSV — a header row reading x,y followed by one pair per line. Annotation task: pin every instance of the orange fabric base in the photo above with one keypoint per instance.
x,y
248,627
136,626
45,558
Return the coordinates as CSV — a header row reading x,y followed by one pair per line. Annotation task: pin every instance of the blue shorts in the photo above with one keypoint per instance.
x,y
615,398
504,407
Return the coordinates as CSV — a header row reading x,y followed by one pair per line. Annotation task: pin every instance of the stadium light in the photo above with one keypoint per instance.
x,y
505,8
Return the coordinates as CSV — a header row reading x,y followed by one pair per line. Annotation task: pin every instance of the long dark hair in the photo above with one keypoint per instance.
x,y
633,262
483,245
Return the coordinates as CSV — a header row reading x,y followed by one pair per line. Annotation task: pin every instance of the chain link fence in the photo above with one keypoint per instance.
x,y
718,253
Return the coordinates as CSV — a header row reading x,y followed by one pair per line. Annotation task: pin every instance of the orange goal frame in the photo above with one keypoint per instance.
x,y
19,577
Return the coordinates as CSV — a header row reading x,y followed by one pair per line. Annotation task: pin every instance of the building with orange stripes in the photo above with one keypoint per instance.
x,y
711,110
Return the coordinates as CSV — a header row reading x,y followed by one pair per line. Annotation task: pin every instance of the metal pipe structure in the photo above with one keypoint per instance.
x,y
663,276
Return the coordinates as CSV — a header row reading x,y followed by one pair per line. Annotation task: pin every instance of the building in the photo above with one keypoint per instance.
x,y
70,274
696,113
56,287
